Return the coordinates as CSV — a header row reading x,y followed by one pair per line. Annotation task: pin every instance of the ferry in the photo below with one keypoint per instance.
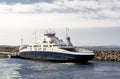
x,y
51,48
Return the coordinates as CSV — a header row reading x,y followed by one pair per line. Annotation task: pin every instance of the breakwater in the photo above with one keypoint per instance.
x,y
107,55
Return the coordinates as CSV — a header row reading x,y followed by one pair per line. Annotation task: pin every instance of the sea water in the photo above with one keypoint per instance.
x,y
30,69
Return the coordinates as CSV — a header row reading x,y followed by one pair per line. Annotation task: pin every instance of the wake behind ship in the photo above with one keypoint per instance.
x,y
52,48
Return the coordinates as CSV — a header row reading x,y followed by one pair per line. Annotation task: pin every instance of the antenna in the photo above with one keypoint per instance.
x,y
21,41
35,36
67,32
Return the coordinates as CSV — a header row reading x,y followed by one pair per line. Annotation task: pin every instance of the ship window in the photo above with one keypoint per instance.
x,y
55,45
30,46
36,46
44,49
44,41
39,48
45,45
50,45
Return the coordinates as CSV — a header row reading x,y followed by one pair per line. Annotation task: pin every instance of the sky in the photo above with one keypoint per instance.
x,y
91,22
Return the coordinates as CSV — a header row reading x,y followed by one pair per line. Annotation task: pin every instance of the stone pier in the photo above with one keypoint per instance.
x,y
107,55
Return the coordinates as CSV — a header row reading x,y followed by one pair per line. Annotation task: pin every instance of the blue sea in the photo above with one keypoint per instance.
x,y
107,48
31,69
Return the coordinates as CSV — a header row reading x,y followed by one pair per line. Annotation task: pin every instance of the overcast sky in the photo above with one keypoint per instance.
x,y
91,22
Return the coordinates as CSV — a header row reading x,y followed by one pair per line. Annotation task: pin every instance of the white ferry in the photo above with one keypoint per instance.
x,y
52,48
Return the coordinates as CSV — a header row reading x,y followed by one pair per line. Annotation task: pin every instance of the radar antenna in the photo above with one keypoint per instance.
x,y
68,38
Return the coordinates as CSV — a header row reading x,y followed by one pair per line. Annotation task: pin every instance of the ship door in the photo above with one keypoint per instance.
x,y
44,49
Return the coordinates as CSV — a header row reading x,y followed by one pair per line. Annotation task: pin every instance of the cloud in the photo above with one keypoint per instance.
x,y
73,13
22,1
95,9
53,20
18,17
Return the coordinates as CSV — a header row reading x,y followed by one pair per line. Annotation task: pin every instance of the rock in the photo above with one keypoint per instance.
x,y
107,55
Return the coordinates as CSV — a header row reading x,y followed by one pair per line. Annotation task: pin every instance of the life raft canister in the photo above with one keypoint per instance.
x,y
51,41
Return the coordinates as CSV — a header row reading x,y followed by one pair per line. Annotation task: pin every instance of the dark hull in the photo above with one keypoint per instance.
x,y
56,56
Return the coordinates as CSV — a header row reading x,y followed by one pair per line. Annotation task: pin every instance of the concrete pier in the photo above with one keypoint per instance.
x,y
4,54
8,55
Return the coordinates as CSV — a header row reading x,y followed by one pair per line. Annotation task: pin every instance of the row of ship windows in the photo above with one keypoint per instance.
x,y
38,49
43,45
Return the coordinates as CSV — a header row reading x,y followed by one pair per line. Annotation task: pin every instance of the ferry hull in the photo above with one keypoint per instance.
x,y
56,56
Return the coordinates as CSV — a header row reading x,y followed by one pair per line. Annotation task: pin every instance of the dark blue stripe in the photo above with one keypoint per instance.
x,y
54,56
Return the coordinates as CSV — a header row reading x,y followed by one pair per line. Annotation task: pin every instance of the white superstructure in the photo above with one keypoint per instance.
x,y
51,43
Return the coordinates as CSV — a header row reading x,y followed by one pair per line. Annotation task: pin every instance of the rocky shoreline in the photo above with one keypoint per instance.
x,y
107,55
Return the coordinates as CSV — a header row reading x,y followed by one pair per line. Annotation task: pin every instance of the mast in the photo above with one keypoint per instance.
x,y
68,38
67,32
35,36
